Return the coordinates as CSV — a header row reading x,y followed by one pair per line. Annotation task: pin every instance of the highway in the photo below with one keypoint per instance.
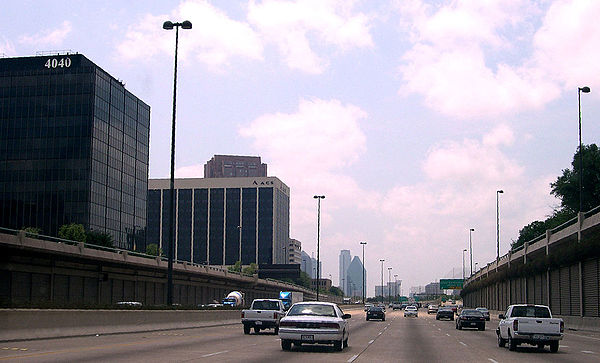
x,y
397,339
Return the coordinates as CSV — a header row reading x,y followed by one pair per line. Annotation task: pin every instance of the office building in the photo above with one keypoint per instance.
x,y
73,149
234,166
306,265
294,252
354,275
325,284
222,220
433,289
344,263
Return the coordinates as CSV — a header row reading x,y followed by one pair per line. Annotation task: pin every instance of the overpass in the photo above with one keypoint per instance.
x,y
50,272
560,269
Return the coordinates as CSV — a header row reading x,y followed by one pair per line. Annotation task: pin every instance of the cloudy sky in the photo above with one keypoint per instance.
x,y
407,115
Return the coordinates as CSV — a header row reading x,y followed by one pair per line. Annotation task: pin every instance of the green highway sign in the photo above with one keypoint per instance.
x,y
454,284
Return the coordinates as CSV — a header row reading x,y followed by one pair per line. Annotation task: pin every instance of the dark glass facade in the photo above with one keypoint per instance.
x,y
208,220
73,149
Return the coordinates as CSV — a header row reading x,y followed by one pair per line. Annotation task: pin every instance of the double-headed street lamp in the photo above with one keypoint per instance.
x,y
471,248
382,261
363,272
168,25
498,192
465,250
318,197
579,90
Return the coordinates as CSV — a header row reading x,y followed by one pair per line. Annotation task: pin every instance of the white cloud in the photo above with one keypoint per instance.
x,y
48,36
214,38
294,25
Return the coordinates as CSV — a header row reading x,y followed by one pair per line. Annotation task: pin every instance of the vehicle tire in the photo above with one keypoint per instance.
x,y
383,319
276,330
459,326
512,344
246,329
256,330
501,341
436,318
297,344
286,344
452,318
339,345
367,319
345,344
554,346
482,328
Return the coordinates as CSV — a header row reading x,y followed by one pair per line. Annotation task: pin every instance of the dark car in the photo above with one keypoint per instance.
x,y
444,313
376,312
485,312
470,318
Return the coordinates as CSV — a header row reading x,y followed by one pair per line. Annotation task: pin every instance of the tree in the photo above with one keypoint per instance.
x,y
538,228
236,268
336,291
153,250
73,232
32,231
250,270
566,187
99,239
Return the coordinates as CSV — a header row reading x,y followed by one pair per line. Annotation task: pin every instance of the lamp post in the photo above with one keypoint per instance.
x,y
389,285
471,249
476,263
240,244
395,286
465,250
168,25
382,280
579,90
363,272
498,192
318,197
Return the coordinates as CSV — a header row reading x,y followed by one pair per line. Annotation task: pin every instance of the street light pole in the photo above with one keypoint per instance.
x,y
465,250
381,280
579,90
318,197
498,192
471,249
240,244
168,25
389,285
363,272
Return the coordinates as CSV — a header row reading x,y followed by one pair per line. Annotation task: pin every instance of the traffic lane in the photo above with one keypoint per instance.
x,y
484,344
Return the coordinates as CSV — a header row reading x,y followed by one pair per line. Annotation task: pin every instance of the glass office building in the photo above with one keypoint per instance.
x,y
73,149
222,220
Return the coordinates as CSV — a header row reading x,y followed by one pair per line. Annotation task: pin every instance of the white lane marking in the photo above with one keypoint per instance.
x,y
493,361
564,346
385,327
463,344
211,354
447,334
587,352
352,358
380,333
371,341
439,329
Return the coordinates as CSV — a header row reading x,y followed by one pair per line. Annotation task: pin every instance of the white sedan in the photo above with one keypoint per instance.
x,y
314,322
411,311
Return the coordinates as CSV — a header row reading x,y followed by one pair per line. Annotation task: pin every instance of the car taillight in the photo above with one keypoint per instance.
x,y
562,326
286,323
515,325
329,325
242,314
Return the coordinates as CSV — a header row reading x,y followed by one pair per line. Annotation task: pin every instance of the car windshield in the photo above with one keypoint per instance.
x,y
471,313
446,309
530,312
411,308
375,308
266,305
312,309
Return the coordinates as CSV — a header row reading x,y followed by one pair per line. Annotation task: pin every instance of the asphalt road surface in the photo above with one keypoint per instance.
x,y
397,339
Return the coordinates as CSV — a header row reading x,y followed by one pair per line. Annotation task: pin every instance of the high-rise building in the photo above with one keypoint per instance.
x,y
234,166
73,149
306,264
344,261
354,275
433,288
221,221
294,252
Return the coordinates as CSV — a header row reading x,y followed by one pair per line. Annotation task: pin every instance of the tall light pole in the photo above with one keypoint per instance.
x,y
363,272
168,25
389,285
465,250
240,244
579,90
498,192
382,280
471,249
395,286
318,197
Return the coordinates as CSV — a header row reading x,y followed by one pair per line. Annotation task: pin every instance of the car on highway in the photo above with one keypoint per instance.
x,y
529,324
485,312
314,323
470,318
411,311
375,312
367,306
444,313
396,305
432,309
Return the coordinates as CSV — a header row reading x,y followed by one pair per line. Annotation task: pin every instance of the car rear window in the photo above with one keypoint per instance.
x,y
471,313
530,312
312,309
265,305
375,309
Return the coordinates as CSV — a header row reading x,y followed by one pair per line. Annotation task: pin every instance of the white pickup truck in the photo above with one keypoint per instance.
x,y
529,324
263,314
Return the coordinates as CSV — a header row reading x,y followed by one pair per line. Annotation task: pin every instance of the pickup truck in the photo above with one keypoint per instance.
x,y
263,314
529,324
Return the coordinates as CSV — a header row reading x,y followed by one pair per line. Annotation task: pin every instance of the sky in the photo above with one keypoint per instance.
x,y
407,115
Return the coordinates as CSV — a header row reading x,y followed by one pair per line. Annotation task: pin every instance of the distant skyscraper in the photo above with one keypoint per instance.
x,y
234,166
306,264
354,275
345,259
294,252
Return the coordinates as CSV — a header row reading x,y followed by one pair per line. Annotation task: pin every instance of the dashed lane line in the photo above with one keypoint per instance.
x,y
493,361
463,344
211,354
371,341
587,352
447,334
352,358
